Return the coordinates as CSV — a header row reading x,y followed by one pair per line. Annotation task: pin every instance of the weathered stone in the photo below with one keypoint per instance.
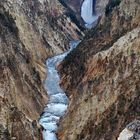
x,y
101,77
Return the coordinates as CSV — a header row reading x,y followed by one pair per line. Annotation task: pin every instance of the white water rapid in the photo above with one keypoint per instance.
x,y
87,13
58,100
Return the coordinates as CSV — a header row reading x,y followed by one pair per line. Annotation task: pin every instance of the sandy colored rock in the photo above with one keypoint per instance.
x,y
30,32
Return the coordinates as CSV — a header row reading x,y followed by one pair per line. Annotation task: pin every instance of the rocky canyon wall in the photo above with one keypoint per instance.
x,y
46,19
30,31
103,87
22,96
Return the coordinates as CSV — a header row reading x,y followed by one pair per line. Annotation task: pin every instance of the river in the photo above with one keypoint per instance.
x,y
58,101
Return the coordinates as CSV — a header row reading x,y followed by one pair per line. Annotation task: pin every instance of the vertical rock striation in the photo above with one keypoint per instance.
x,y
22,96
101,76
47,20
30,31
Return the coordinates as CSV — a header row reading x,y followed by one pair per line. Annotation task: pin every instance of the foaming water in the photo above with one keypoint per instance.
x,y
87,13
58,101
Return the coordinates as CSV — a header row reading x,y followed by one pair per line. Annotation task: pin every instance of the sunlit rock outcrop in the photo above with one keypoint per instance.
x,y
46,20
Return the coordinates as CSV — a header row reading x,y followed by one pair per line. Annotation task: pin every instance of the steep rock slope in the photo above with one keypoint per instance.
x,y
45,19
75,5
22,96
101,6
30,31
101,77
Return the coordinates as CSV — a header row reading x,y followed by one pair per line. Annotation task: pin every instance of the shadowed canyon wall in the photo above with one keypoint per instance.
x,y
22,96
103,87
46,19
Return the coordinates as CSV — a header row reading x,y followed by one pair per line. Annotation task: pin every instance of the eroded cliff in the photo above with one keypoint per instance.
x,y
101,76
30,31
22,96
45,19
